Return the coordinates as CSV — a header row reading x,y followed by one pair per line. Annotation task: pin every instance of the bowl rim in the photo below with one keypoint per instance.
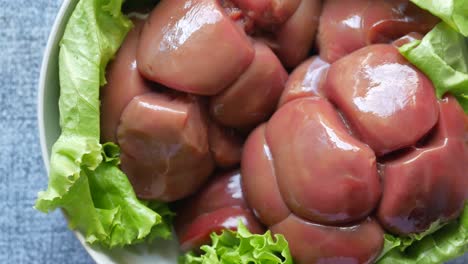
x,y
52,39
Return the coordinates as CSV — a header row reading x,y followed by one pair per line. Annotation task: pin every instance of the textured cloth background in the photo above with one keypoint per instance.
x,y
27,236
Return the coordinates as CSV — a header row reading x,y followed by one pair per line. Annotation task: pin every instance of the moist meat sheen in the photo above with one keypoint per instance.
x,y
258,170
200,30
320,184
323,173
379,93
218,205
313,243
291,42
346,26
296,116
268,13
164,146
258,90
225,145
429,183
123,83
306,80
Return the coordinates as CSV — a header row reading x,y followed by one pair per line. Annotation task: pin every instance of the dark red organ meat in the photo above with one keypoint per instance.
x,y
407,39
123,83
257,170
466,129
306,80
316,180
223,190
199,231
429,183
451,120
223,60
254,96
293,40
380,93
238,16
320,179
163,137
268,14
164,143
217,206
346,26
311,171
213,34
154,158
324,174
195,39
225,145
313,243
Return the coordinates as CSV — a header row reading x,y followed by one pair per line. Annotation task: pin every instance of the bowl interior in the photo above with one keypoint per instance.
x,y
159,251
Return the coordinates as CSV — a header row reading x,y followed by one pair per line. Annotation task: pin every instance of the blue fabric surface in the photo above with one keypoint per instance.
x,y
27,236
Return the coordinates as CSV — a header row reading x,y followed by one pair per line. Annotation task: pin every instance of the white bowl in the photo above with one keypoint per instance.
x,y
164,252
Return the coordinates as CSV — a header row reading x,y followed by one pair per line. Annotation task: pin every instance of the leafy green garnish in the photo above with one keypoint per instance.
x,y
242,247
164,228
443,56
84,178
452,12
447,243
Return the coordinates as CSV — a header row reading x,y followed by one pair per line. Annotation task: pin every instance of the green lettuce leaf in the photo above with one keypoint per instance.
x,y
452,12
402,243
443,56
84,178
242,247
164,228
447,243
